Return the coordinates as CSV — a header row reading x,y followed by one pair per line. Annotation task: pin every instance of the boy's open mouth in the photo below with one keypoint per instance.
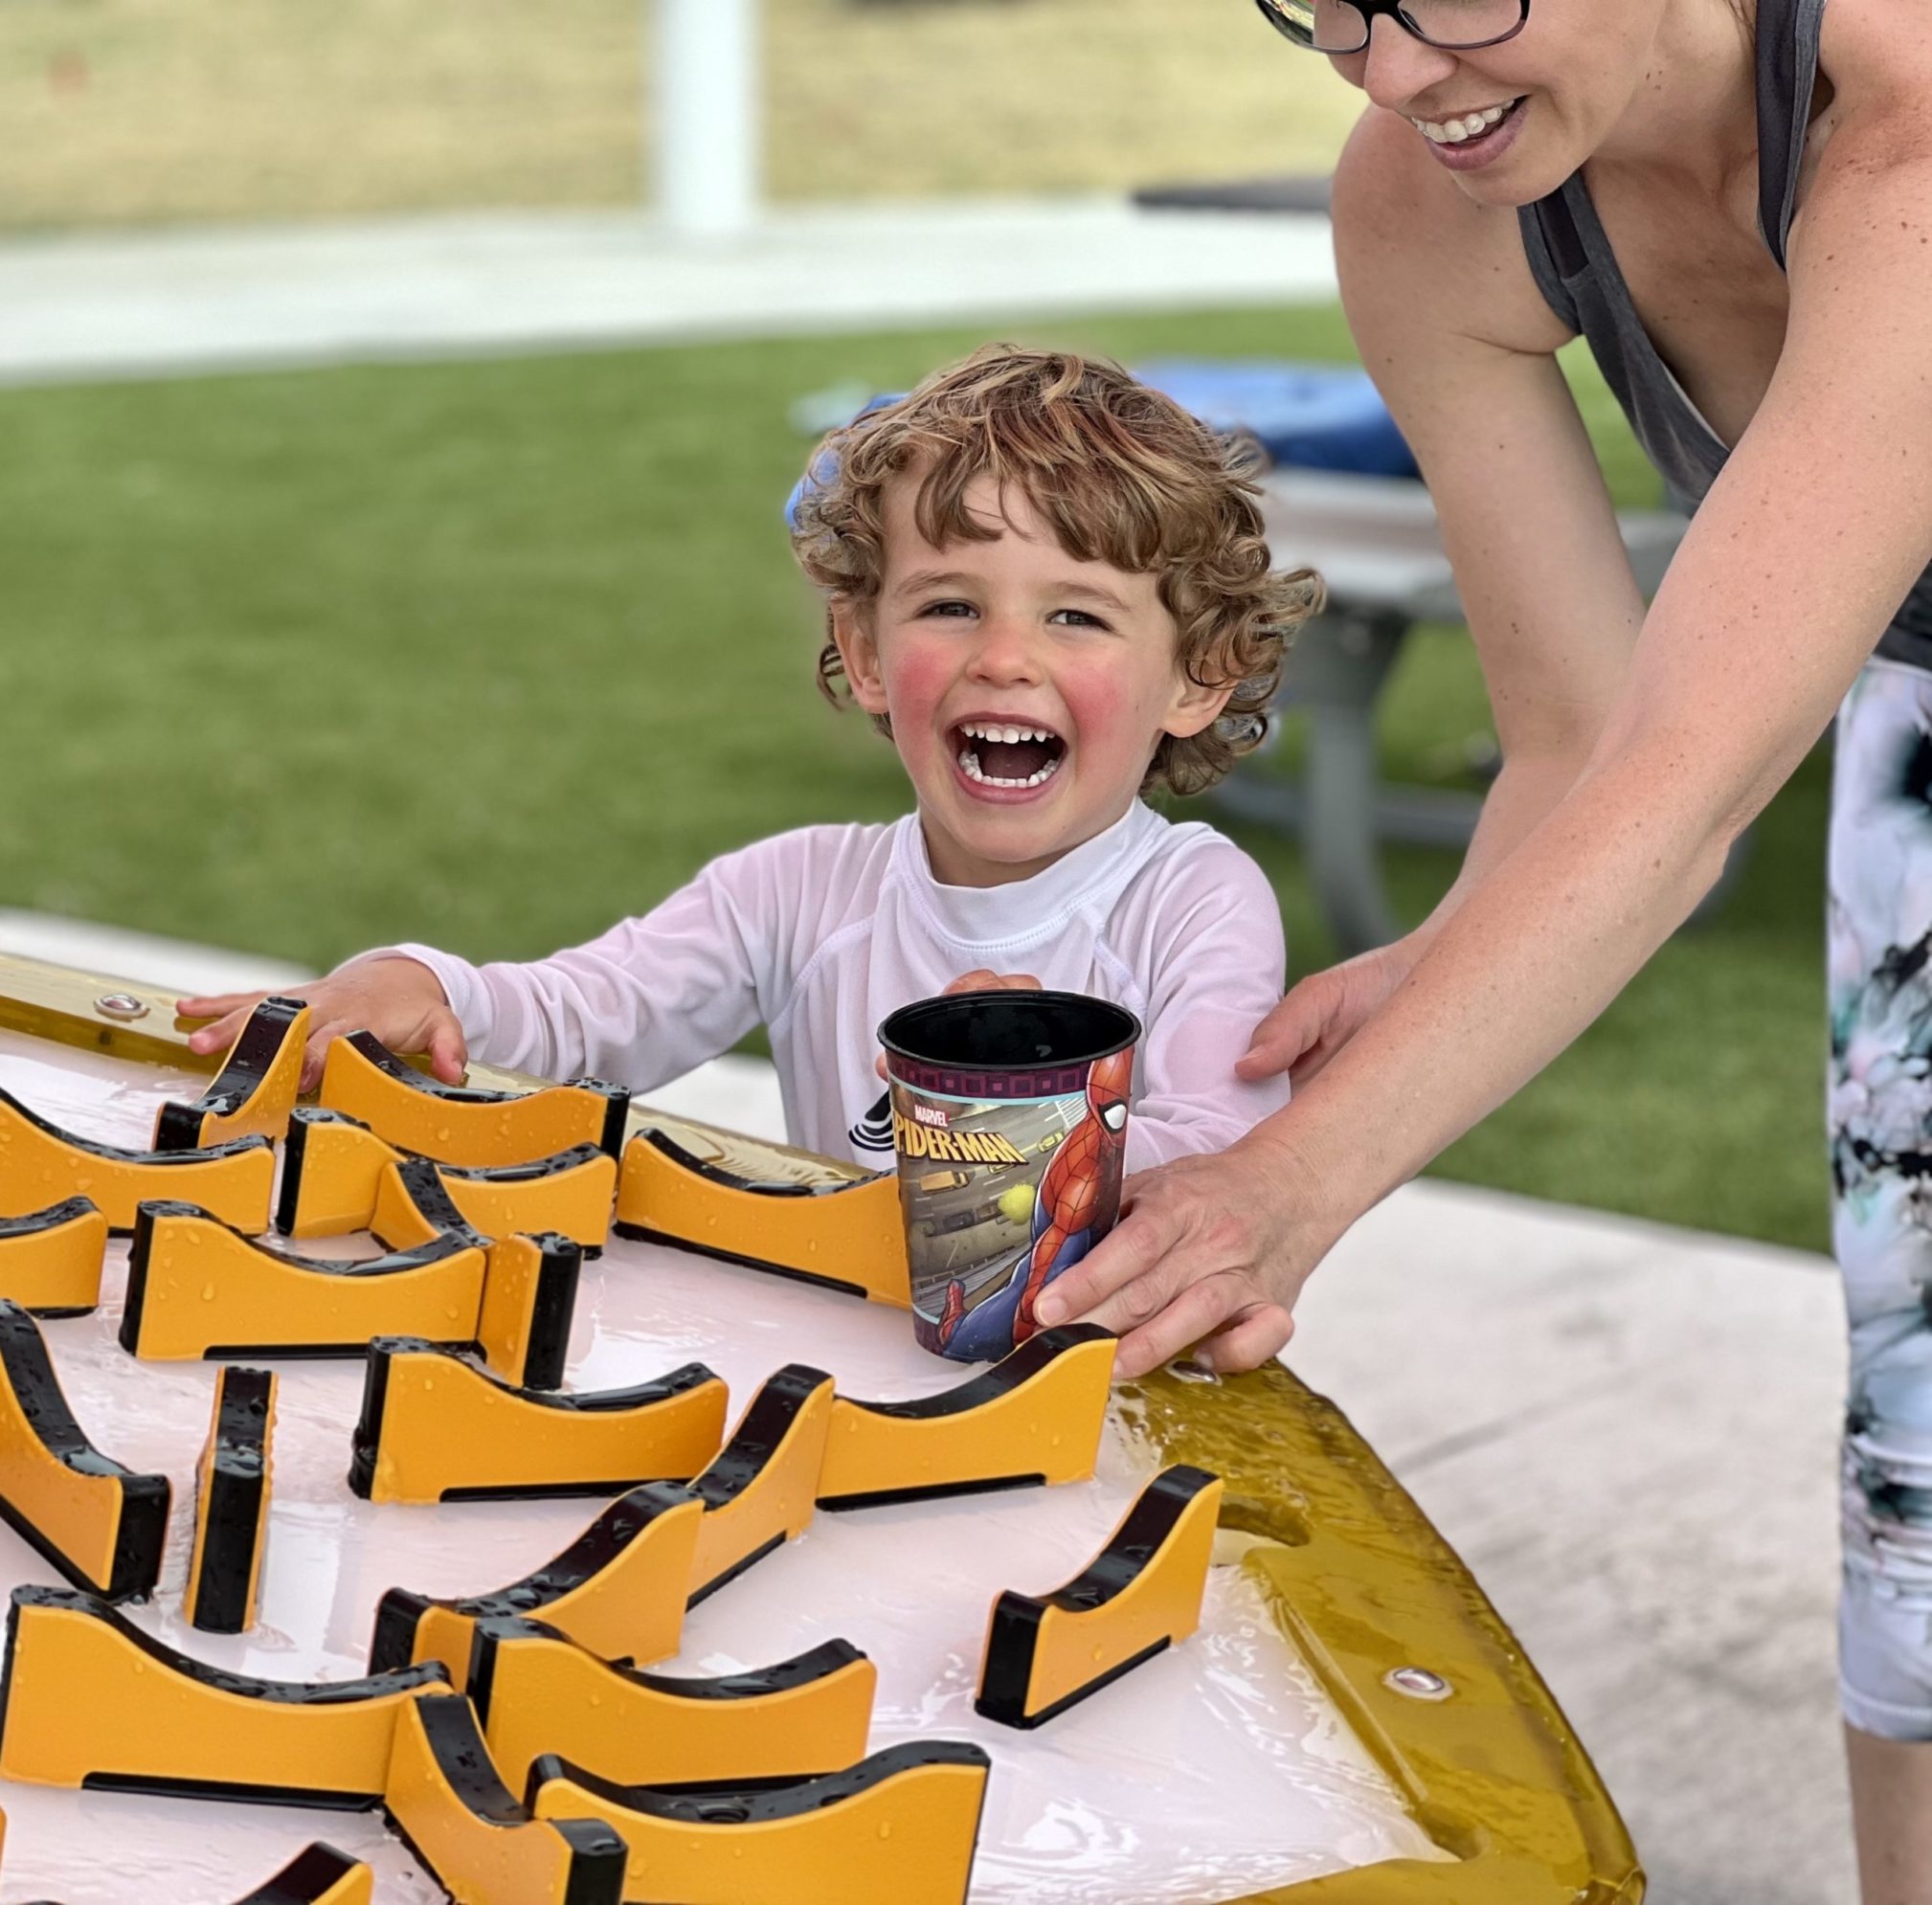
x,y
1001,755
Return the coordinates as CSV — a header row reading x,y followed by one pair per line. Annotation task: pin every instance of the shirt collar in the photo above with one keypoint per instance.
x,y
1027,909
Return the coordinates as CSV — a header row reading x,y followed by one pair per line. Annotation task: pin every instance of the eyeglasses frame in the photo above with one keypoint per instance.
x,y
1369,11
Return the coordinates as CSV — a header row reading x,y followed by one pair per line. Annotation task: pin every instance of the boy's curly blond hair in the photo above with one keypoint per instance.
x,y
1121,475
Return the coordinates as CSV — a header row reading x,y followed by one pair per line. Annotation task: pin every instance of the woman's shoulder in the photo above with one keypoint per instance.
x,y
1877,58
1417,253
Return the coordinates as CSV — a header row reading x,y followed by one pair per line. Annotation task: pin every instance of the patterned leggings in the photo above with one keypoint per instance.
x,y
1880,1122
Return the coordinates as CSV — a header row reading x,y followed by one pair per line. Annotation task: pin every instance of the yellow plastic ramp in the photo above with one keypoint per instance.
x,y
254,1093
437,1427
1034,1418
762,1489
536,1692
51,1260
1139,1595
457,1125
92,1701
447,1800
899,1829
102,1525
530,1297
318,1875
39,1160
847,1236
618,1589
333,1169
196,1288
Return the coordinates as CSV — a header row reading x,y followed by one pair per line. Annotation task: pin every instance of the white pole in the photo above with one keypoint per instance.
x,y
707,115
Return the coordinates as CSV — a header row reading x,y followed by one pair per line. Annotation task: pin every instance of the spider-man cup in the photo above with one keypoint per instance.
x,y
1009,1115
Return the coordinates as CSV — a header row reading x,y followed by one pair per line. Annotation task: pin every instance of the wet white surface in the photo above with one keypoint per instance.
x,y
1217,1770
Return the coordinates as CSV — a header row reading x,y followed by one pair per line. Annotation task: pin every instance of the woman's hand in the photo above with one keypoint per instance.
x,y
1210,1254
397,998
1324,1012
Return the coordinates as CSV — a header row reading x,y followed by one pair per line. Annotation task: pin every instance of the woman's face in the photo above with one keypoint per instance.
x,y
1512,121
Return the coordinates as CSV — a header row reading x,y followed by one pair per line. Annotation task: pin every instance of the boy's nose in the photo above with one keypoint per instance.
x,y
1005,652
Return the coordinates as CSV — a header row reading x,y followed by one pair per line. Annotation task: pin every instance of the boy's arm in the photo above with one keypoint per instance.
x,y
1216,957
642,1003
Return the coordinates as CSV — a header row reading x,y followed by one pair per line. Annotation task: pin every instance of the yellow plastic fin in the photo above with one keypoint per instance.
x,y
761,1491
331,1166
436,1427
455,1125
318,1875
253,1092
333,1177
50,1262
482,1847
412,1207
529,1298
898,1828
572,1194
538,1692
92,1701
39,1160
850,1237
197,1288
1033,1417
618,1589
230,1508
101,1524
1141,1594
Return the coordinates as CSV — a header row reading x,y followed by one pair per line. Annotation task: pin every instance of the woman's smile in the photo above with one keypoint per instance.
x,y
1475,139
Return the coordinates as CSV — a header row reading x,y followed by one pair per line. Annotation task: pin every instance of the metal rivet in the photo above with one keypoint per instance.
x,y
1187,1370
121,1005
1418,1683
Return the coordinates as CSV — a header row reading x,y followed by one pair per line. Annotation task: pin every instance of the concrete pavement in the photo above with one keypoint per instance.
x,y
192,301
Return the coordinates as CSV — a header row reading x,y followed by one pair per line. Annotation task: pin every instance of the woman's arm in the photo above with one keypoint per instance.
x,y
1461,343
1797,560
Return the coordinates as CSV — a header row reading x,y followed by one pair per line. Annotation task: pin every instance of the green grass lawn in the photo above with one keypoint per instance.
x,y
488,654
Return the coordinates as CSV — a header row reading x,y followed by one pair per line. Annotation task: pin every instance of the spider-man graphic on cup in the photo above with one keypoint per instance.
x,y
1078,1200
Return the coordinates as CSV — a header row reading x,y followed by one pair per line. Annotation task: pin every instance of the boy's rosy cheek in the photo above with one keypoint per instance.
x,y
1102,709
916,680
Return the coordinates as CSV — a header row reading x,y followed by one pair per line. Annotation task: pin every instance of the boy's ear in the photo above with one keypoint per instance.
x,y
1195,707
859,651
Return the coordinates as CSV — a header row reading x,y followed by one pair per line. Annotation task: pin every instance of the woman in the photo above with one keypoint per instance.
x,y
1733,199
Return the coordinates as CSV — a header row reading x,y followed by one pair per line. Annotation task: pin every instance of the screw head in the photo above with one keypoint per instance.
x,y
120,1005
1187,1370
1418,1683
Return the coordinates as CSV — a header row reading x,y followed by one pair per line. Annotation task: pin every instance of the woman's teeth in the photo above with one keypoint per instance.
x,y
1453,131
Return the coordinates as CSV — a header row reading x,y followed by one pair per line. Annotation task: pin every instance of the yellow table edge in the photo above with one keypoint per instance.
x,y
1359,1582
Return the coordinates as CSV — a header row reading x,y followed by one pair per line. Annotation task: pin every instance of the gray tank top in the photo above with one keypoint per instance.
x,y
1572,262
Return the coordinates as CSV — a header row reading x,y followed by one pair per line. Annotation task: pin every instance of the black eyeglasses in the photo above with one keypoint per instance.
x,y
1342,26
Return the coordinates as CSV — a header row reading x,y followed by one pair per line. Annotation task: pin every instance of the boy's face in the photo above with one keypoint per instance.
x,y
967,646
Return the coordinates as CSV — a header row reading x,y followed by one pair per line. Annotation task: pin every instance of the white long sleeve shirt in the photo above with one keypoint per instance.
x,y
818,934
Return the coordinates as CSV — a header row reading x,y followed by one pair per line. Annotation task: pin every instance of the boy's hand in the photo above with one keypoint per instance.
x,y
982,980
397,998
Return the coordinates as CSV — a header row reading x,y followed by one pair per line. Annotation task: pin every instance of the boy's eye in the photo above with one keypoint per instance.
x,y
946,609
1076,619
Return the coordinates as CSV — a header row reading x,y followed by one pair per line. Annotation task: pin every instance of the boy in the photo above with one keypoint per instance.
x,y
1049,586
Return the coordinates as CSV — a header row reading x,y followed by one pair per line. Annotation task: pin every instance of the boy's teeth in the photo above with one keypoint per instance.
x,y
978,731
968,766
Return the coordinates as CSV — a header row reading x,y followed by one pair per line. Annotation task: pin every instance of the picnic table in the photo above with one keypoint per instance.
x,y
1376,543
